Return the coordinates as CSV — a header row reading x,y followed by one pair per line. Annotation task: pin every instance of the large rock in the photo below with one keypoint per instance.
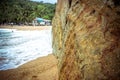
x,y
86,39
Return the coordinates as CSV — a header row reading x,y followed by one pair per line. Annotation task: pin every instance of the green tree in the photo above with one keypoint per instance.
x,y
20,11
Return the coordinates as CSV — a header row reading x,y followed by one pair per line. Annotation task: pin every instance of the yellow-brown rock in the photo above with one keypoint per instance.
x,y
86,39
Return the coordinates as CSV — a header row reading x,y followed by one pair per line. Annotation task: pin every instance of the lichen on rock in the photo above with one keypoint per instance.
x,y
86,39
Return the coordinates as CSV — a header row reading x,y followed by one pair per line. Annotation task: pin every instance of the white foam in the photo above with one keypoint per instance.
x,y
30,45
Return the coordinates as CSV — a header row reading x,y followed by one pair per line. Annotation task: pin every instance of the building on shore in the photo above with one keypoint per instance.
x,y
41,22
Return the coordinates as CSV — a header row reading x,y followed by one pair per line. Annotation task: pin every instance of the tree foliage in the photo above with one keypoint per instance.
x,y
21,11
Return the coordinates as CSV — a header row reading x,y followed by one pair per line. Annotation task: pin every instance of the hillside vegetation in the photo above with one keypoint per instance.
x,y
21,11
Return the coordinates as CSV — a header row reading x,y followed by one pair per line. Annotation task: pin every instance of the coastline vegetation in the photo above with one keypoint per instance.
x,y
24,11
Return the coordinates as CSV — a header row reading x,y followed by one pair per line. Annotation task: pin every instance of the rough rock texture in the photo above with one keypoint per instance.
x,y
86,39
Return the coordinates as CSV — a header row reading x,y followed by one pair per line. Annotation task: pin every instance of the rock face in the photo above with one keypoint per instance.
x,y
86,39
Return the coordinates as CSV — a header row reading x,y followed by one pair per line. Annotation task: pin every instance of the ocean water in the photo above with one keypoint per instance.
x,y
19,47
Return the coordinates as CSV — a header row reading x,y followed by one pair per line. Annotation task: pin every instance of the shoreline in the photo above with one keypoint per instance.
x,y
20,42
25,28
43,68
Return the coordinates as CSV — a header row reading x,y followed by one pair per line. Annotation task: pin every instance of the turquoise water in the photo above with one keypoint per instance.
x,y
19,47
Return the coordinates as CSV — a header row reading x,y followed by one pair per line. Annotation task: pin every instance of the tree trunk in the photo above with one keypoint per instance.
x,y
86,39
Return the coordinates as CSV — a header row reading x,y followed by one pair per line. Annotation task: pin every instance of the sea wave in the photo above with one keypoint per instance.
x,y
19,47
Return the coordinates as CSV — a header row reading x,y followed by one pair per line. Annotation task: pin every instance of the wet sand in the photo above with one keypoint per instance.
x,y
44,68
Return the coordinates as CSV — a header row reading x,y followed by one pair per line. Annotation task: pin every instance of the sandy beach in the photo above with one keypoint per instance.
x,y
43,68
26,27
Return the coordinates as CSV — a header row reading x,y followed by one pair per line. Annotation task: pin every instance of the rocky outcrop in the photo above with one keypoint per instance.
x,y
86,39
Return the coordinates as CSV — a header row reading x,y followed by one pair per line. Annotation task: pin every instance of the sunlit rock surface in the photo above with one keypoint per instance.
x,y
86,39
